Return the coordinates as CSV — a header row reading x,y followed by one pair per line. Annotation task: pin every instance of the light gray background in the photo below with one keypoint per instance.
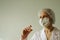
x,y
17,14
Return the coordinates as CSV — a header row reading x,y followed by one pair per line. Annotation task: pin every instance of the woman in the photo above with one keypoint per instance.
x,y
49,32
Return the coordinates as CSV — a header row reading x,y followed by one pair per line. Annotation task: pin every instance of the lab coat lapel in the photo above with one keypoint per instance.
x,y
43,36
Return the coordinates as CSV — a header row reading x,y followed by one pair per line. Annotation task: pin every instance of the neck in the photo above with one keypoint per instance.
x,y
49,28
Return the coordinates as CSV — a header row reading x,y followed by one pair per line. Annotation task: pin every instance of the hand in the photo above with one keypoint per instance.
x,y
26,32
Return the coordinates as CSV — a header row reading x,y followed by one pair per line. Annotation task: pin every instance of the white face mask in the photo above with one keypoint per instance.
x,y
44,22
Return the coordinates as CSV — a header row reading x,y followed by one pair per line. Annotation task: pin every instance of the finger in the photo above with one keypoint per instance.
x,y
25,29
29,30
30,25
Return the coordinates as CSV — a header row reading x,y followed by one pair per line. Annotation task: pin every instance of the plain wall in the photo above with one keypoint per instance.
x,y
17,14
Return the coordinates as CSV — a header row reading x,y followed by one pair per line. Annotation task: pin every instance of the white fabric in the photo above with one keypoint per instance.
x,y
50,12
44,22
41,35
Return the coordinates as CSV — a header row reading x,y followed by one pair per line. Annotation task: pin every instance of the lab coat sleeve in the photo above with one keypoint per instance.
x,y
32,38
35,36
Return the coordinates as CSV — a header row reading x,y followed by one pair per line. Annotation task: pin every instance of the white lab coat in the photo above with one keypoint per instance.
x,y
40,35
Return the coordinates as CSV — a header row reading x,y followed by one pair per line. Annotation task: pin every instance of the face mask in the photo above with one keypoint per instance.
x,y
44,22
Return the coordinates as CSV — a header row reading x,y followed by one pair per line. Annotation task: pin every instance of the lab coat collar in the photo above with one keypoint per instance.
x,y
53,36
